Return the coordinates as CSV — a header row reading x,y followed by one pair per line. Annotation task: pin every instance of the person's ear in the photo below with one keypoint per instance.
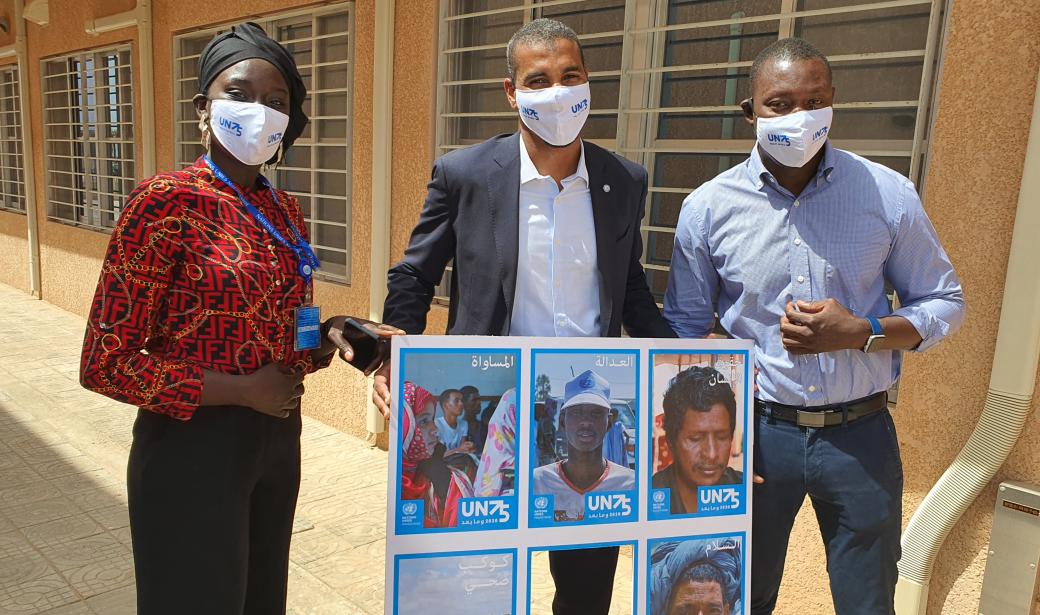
x,y
510,90
200,101
747,106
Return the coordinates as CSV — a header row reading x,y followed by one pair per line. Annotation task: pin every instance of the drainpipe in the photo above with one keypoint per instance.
x,y
28,154
382,175
140,16
1008,401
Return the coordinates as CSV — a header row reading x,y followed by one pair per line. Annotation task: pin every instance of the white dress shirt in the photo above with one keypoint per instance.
x,y
557,278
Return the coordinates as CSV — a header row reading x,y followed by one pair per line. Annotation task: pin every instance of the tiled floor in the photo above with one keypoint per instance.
x,y
64,535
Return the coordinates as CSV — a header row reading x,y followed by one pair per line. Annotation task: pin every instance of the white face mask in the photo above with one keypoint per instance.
x,y
555,114
793,139
250,132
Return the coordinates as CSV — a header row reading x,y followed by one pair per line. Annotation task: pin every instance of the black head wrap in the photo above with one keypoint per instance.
x,y
247,41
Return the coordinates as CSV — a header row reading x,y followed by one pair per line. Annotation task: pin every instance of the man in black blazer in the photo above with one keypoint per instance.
x,y
518,211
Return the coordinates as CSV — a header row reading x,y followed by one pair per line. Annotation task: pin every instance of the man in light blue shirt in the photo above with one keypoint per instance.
x,y
792,249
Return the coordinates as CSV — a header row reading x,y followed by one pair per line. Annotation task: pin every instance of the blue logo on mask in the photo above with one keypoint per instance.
x,y
584,104
274,138
780,140
819,134
232,127
529,113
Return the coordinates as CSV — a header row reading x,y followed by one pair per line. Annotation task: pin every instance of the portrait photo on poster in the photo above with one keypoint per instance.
x,y
457,426
471,583
698,434
696,574
584,437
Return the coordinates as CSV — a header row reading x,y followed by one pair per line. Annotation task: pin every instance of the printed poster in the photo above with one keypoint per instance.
x,y
505,450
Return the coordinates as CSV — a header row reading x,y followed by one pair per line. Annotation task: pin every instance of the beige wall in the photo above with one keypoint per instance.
x,y
971,196
14,246
971,192
71,257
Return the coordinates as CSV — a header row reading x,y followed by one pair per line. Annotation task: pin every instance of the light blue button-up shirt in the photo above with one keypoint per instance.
x,y
745,246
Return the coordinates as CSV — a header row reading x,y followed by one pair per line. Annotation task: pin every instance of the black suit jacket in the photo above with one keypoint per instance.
x,y
472,215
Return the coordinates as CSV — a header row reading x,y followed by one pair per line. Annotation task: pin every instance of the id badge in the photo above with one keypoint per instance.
x,y
307,330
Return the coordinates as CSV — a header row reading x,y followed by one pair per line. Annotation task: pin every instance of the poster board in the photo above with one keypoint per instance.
x,y
503,447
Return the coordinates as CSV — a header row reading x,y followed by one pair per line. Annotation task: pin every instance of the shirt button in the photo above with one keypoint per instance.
x,y
801,279
812,388
278,282
561,322
274,263
797,242
797,203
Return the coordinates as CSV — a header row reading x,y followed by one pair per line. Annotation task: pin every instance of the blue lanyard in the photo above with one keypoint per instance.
x,y
300,247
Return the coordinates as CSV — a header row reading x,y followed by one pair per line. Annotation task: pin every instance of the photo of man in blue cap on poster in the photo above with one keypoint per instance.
x,y
585,420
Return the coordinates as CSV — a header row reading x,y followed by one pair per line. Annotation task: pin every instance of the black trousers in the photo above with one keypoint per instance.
x,y
584,580
211,511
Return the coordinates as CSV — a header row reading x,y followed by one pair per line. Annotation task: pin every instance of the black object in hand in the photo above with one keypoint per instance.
x,y
370,348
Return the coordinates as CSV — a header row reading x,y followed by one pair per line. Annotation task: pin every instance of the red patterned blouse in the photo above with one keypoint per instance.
x,y
190,282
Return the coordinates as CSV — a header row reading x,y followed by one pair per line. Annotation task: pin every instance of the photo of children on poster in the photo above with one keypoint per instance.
x,y
502,456
585,429
699,424
458,431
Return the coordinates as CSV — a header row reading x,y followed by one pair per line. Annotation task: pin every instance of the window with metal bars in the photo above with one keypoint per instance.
x,y
12,180
667,77
317,169
88,125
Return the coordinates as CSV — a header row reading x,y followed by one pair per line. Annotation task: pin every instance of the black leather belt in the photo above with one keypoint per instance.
x,y
823,416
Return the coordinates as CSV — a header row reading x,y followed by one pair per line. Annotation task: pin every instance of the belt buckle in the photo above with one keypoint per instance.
x,y
816,420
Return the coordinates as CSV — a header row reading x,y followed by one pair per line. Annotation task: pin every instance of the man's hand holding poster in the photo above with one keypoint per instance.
x,y
502,448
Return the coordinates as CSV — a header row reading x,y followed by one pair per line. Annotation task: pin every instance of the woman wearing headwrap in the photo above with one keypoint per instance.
x,y
424,473
696,576
203,319
497,471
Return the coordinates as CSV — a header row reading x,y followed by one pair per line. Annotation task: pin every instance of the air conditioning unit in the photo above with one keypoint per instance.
x,y
1010,583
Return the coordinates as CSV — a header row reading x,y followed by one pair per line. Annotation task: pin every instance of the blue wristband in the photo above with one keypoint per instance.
x,y
875,326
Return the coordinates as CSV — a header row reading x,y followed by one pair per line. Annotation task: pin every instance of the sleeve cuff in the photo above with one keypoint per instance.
x,y
931,329
182,395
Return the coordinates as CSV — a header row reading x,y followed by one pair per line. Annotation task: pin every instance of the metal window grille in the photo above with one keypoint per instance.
x,y
667,77
88,123
317,169
12,181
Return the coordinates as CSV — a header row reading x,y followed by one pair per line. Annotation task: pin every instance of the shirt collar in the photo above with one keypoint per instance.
x,y
528,172
759,174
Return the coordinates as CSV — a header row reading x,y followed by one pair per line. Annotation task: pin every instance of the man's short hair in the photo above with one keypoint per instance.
x,y
446,395
790,50
469,391
703,572
542,32
697,389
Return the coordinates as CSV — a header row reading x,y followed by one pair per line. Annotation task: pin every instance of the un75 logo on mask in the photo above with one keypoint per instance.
x,y
232,127
529,112
483,512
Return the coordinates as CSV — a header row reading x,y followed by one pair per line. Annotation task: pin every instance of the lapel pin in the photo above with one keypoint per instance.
x,y
606,187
